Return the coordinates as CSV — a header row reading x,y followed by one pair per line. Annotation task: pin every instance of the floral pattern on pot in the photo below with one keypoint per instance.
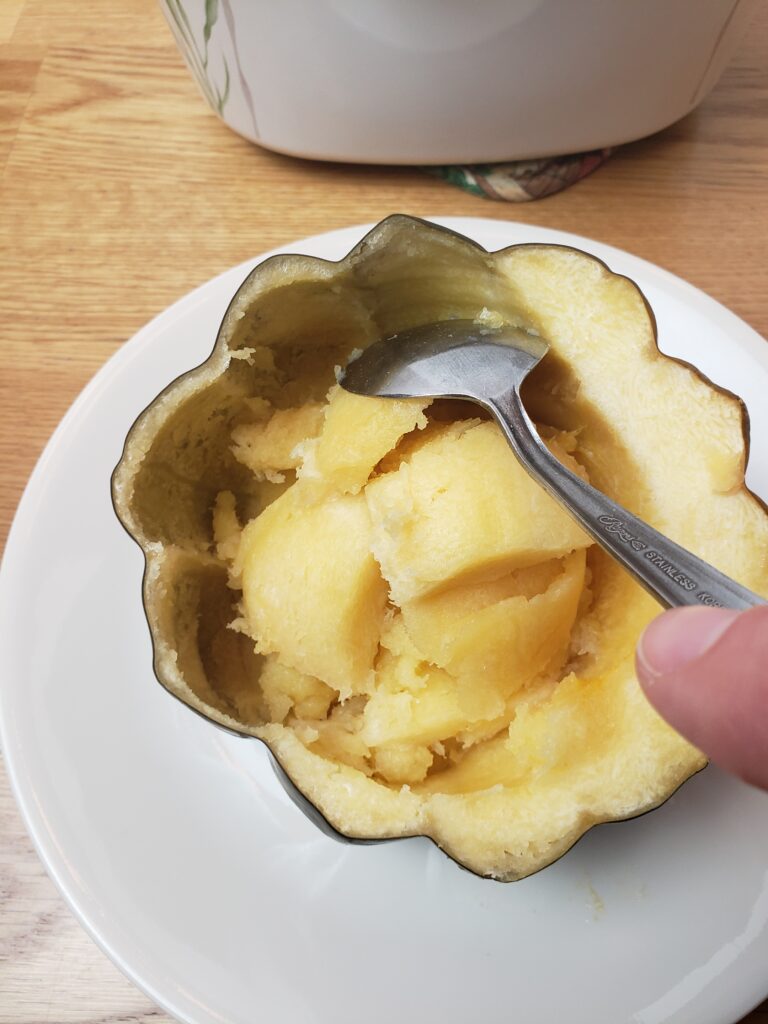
x,y
207,61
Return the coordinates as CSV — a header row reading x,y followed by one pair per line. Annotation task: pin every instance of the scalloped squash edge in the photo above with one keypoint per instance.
x,y
654,433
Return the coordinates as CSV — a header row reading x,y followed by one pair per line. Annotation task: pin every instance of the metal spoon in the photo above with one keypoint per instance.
x,y
464,359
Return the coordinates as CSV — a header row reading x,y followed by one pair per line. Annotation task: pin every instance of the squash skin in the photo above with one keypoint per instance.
x,y
138,488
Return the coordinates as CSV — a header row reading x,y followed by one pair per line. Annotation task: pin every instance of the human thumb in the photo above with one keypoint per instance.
x,y
705,670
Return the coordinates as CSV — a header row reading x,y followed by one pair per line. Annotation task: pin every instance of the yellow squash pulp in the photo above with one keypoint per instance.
x,y
414,582
427,643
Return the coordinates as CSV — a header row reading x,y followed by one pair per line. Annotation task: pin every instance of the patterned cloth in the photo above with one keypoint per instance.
x,y
522,180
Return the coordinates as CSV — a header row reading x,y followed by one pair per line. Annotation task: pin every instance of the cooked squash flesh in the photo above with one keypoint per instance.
x,y
312,591
376,590
357,433
463,510
407,588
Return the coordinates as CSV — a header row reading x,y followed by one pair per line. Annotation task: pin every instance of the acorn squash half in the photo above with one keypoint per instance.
x,y
427,644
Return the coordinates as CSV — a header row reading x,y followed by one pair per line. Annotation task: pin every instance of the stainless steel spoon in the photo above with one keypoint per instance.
x,y
464,359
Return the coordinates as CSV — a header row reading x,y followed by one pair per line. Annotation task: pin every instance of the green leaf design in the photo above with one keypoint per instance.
x,y
225,95
198,61
186,41
185,19
211,16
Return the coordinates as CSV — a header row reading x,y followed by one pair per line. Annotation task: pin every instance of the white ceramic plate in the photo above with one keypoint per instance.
x,y
180,853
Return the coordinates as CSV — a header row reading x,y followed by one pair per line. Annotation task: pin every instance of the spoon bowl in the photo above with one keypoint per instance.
x,y
449,359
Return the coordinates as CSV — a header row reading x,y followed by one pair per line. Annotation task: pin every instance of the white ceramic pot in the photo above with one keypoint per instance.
x,y
453,81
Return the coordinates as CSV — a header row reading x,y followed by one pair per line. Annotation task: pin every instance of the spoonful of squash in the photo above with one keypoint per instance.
x,y
465,359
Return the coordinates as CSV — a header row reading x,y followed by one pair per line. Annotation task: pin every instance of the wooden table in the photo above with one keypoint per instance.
x,y
119,192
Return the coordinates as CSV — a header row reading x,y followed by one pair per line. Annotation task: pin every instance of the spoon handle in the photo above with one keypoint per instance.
x,y
668,572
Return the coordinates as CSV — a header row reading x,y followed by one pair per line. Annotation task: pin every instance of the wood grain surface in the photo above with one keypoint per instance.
x,y
120,191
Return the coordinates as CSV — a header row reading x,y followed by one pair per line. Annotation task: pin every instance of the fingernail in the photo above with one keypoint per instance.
x,y
678,637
